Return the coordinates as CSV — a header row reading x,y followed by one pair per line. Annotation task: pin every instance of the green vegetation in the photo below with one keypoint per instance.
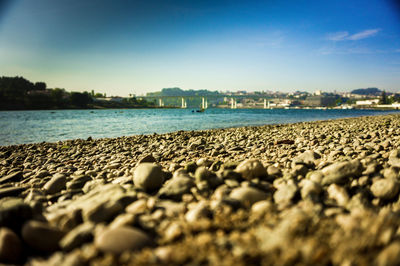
x,y
18,93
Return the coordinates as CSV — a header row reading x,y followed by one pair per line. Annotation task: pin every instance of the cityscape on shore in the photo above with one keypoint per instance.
x,y
17,93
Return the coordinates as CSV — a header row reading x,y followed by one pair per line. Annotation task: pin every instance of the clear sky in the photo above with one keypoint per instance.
x,y
123,47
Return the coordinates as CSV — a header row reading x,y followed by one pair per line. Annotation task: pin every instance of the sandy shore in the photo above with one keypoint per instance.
x,y
309,193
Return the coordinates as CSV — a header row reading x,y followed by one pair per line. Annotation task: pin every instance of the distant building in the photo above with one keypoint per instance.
x,y
318,93
110,99
320,100
367,102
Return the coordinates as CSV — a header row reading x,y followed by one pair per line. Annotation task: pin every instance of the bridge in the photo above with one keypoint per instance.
x,y
232,99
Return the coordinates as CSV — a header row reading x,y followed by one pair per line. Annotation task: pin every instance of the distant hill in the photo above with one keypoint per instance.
x,y
367,91
180,92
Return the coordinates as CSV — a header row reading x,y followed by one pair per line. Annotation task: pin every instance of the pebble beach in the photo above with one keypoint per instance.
x,y
309,193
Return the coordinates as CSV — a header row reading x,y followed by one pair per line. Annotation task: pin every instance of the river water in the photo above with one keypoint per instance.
x,y
18,127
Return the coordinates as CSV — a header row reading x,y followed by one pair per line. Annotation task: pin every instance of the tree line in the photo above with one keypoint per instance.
x,y
18,93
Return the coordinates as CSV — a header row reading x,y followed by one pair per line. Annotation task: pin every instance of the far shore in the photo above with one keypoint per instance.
x,y
216,107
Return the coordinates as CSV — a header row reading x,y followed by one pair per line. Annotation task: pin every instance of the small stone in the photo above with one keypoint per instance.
x,y
309,158
284,141
340,172
42,173
394,158
390,255
199,211
176,187
13,177
41,236
11,191
148,158
248,195
55,184
204,162
137,207
202,174
14,212
125,219
191,167
79,235
101,212
261,207
391,173
315,176
274,171
339,194
310,189
10,246
118,240
285,193
385,188
173,231
251,168
148,176
78,182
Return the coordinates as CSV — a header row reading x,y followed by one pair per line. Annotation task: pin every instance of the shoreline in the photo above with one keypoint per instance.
x,y
217,107
321,192
378,113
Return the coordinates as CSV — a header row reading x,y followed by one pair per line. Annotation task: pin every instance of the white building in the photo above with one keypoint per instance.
x,y
367,102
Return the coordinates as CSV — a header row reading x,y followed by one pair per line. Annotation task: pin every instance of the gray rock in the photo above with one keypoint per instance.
x,y
78,182
339,194
391,173
125,219
78,236
55,184
11,191
310,189
394,158
203,174
148,158
340,172
285,193
251,168
137,207
42,173
41,236
390,255
148,176
309,158
274,171
171,208
118,240
204,162
385,188
13,177
14,212
262,207
201,210
101,211
10,246
176,187
248,195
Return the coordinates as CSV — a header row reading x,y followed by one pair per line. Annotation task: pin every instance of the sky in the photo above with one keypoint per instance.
x,y
133,47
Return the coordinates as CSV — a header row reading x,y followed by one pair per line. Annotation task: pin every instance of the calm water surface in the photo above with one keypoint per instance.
x,y
17,127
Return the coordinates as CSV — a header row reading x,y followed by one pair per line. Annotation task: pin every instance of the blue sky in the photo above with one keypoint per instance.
x,y
123,47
